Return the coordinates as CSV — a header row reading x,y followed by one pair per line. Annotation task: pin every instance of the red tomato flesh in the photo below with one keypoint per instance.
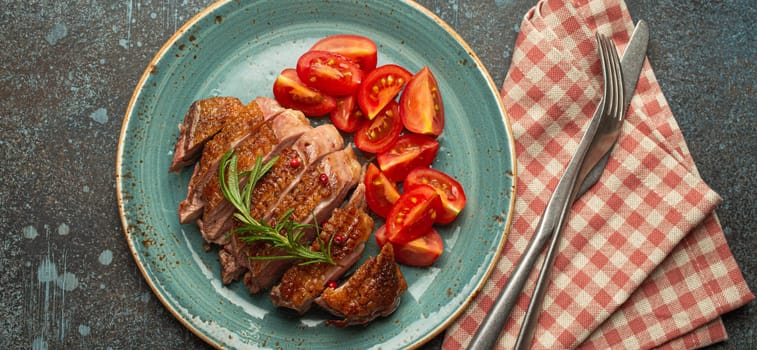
x,y
329,73
291,92
450,191
421,104
379,134
409,152
380,87
420,252
380,192
413,214
360,49
347,116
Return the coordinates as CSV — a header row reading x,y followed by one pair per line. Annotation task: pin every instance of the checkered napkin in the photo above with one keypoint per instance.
x,y
643,261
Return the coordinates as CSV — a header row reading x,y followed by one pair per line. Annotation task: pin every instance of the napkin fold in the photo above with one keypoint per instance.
x,y
643,260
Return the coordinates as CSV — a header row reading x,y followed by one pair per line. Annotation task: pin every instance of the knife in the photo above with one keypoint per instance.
x,y
591,170
492,325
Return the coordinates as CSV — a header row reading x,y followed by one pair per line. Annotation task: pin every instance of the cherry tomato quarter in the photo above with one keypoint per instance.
x,y
291,92
450,191
347,116
409,152
421,104
413,214
380,87
329,73
360,49
420,252
380,192
379,134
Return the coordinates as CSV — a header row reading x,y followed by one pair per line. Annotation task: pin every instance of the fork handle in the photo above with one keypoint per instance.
x,y
488,333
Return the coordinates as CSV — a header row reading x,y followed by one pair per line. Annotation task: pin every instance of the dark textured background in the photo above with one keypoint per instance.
x,y
68,68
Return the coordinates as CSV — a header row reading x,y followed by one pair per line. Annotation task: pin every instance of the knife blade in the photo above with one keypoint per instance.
x,y
591,170
492,325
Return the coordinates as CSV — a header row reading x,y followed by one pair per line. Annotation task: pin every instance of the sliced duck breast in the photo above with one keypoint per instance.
x,y
374,290
347,229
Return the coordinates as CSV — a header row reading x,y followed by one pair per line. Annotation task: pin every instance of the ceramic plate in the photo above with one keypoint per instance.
x,y
237,48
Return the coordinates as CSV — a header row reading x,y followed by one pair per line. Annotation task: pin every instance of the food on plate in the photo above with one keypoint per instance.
x,y
283,176
347,115
379,134
373,290
411,151
269,189
381,86
380,192
358,48
291,92
331,73
420,252
450,191
268,141
320,190
276,178
421,104
204,119
236,128
413,214
346,231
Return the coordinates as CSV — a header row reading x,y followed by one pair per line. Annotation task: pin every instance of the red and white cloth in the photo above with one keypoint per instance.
x,y
643,261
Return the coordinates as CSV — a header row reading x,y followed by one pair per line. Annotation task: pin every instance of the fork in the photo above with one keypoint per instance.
x,y
607,132
551,221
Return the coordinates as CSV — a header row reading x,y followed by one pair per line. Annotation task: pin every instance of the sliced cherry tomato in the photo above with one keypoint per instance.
x,y
420,252
421,104
380,87
409,152
329,73
347,115
380,192
413,214
358,48
290,92
379,134
450,191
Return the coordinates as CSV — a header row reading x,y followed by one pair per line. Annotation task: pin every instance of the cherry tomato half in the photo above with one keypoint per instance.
x,y
413,214
409,152
420,252
380,87
380,192
329,73
347,115
360,49
290,92
379,134
421,104
450,191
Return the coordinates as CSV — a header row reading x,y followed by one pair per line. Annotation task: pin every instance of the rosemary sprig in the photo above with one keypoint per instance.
x,y
286,234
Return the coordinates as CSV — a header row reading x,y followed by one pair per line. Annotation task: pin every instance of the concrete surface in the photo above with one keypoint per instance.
x,y
68,68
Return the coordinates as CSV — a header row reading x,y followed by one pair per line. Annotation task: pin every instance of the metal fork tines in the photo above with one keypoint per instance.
x,y
607,132
610,107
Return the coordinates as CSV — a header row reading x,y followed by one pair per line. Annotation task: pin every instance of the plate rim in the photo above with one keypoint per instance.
x,y
139,87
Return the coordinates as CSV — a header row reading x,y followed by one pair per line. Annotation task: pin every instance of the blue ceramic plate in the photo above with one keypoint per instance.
x,y
237,48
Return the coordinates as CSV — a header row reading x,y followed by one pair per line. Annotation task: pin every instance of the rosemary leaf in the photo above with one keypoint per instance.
x,y
286,234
